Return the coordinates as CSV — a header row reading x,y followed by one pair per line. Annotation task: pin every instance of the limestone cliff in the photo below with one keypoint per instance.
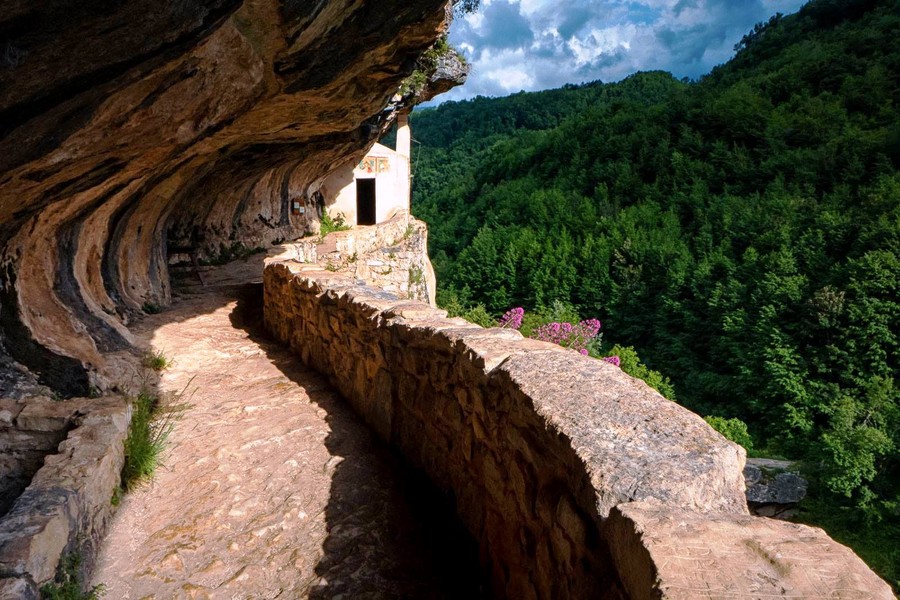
x,y
127,128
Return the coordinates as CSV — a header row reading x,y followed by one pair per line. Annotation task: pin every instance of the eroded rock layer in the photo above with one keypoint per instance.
x,y
130,127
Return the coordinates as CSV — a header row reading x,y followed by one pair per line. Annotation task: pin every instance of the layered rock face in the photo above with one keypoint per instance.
x,y
127,128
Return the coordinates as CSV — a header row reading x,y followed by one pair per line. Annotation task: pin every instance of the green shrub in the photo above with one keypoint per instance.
x,y
329,225
151,308
733,429
68,584
156,360
416,276
557,312
227,254
631,364
480,316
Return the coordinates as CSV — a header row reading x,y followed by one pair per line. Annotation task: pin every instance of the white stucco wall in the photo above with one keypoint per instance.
x,y
391,186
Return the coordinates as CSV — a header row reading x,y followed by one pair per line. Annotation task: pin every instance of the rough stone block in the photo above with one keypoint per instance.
x,y
634,443
44,414
35,534
663,552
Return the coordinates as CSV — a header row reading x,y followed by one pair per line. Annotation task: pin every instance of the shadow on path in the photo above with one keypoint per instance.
x,y
390,533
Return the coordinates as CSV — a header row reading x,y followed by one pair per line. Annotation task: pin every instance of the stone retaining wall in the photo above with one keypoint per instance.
x,y
66,506
391,256
576,478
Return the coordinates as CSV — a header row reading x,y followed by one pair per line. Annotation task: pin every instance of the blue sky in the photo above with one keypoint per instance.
x,y
538,44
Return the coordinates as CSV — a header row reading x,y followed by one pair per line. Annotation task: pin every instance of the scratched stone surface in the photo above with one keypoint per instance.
x,y
271,488
677,555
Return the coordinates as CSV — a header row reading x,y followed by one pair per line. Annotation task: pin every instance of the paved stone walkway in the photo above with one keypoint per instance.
x,y
271,488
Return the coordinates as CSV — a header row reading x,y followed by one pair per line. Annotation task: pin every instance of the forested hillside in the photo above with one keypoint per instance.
x,y
741,232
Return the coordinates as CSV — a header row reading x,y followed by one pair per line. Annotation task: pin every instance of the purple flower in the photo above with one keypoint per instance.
x,y
512,319
613,360
578,337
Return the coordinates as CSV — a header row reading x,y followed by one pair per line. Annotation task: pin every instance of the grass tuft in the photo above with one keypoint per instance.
x,y
156,360
152,422
68,584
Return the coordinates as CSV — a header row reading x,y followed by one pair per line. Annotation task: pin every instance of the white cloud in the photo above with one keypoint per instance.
x,y
597,42
538,44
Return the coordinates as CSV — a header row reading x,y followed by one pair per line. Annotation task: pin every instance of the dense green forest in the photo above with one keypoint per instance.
x,y
741,232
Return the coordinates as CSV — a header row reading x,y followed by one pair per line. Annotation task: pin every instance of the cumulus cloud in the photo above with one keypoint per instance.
x,y
538,44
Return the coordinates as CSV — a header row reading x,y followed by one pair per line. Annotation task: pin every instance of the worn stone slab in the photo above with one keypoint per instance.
x,y
34,536
662,552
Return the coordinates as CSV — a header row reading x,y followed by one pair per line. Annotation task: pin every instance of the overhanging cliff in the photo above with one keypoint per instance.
x,y
127,127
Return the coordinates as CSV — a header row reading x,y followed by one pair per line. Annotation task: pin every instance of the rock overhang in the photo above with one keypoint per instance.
x,y
129,128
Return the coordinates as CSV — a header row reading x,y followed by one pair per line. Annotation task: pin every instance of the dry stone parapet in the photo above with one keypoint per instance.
x,y
539,446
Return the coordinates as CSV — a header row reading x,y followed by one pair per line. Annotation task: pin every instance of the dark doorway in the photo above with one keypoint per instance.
x,y
365,201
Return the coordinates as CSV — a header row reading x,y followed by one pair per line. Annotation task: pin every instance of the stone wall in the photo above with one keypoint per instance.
x,y
577,479
391,256
67,504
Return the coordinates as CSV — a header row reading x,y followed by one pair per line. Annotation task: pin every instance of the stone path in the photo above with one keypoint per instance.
x,y
271,488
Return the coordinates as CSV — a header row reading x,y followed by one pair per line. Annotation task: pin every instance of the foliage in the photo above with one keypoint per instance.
x,y
156,360
512,319
430,59
631,364
329,225
733,429
416,276
466,6
151,308
414,84
741,232
478,315
68,584
152,422
582,336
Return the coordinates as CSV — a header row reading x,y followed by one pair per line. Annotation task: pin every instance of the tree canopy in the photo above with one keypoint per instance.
x,y
741,232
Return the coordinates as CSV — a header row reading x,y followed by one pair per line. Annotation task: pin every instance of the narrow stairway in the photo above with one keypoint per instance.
x,y
271,487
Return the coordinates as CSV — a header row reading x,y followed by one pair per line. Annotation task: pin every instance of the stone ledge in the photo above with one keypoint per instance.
x,y
67,505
